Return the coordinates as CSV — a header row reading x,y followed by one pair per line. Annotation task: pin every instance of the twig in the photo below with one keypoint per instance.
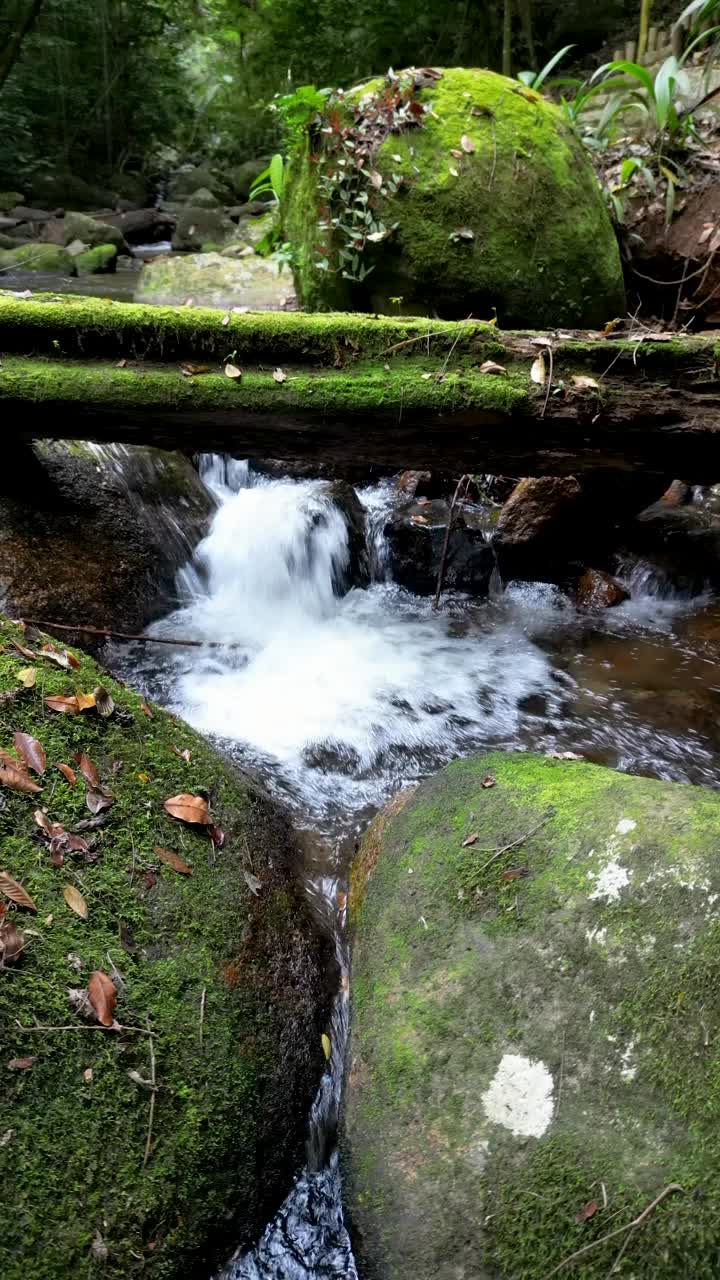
x,y
124,635
560,1076
494,163
443,371
549,381
679,294
629,1226
514,843
81,1026
422,337
153,1084
466,480
202,1012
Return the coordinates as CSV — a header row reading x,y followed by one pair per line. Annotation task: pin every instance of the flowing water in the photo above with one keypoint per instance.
x,y
338,700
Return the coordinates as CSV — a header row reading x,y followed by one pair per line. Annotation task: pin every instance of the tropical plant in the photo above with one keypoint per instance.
x,y
271,181
535,79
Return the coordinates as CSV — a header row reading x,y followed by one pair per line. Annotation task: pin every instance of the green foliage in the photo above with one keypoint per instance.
x,y
535,79
271,181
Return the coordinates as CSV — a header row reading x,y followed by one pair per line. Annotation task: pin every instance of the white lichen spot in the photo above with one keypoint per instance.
x,y
520,1096
596,935
592,1016
625,826
628,1066
609,881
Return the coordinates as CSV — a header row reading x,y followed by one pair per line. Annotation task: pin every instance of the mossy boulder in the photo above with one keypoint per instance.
x,y
535,991
68,191
97,534
197,225
49,259
203,198
225,970
9,200
93,232
497,208
214,280
100,260
241,177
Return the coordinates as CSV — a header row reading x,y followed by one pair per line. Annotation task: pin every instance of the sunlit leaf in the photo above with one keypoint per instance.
x,y
16,892
67,773
327,1047
31,751
232,371
102,996
16,779
75,901
27,677
538,372
188,808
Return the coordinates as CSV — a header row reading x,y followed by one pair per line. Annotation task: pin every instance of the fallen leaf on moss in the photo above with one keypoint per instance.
x,y
183,755
187,808
27,677
88,770
16,892
232,371
327,1047
31,751
26,653
60,657
104,704
217,835
467,145
102,996
21,1064
97,801
67,705
489,780
16,779
172,859
473,839
588,1211
584,383
537,370
515,873
490,366
143,777
252,882
85,701
68,773
146,710
75,901
280,375
12,943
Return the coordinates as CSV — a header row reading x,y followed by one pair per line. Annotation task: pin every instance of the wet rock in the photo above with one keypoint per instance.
x,y
79,226
599,590
215,281
537,524
415,535
203,199
677,494
414,484
26,214
143,226
8,200
98,261
196,178
198,226
346,500
234,986
683,542
242,176
517,1043
252,230
68,191
97,535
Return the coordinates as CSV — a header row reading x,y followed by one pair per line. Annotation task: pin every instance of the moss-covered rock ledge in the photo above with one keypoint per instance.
x,y
224,968
535,1048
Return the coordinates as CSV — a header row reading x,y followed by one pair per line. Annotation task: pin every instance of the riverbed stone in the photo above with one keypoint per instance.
x,y
242,176
415,534
534,1058
97,535
597,589
457,240
92,231
50,259
682,542
226,971
197,225
213,280
100,260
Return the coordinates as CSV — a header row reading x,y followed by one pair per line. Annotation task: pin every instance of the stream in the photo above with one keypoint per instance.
x,y
336,701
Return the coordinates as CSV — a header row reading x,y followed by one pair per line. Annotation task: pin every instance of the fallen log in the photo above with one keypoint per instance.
x,y
405,392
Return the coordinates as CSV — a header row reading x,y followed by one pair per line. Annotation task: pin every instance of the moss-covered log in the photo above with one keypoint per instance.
x,y
393,391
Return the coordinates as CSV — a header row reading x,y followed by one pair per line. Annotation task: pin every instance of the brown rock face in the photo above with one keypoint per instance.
x,y
540,507
599,590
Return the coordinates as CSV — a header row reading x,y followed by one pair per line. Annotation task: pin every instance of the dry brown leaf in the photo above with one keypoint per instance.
x,y
60,658
98,801
473,839
467,144
68,773
280,375
584,384
31,751
537,371
27,677
252,882
16,892
232,371
515,873
88,770
490,366
104,704
588,1211
21,1064
190,370
187,808
16,779
67,705
172,859
88,1075
183,755
102,996
217,835
85,701
489,780
26,653
12,943
75,901
146,710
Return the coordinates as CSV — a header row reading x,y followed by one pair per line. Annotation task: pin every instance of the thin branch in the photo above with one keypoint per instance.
x,y
549,381
611,1235
423,337
496,853
202,1013
153,1083
465,480
82,1026
125,635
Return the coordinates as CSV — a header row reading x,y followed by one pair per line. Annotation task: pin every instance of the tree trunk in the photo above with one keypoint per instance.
x,y
507,38
397,392
10,54
645,7
525,10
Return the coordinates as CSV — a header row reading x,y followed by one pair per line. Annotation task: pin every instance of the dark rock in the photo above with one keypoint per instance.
x,y
683,542
599,590
143,226
253,209
414,484
69,192
242,176
198,227
677,494
346,500
80,226
415,534
195,178
97,535
25,214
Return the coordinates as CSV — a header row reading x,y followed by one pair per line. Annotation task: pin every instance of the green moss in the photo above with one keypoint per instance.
x,y
37,257
548,258
94,233
100,259
456,966
231,984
